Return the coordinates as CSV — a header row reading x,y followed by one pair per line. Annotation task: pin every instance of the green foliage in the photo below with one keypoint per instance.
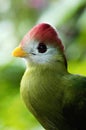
x,y
69,17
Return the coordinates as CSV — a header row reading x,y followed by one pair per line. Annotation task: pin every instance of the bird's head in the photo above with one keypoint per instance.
x,y
41,45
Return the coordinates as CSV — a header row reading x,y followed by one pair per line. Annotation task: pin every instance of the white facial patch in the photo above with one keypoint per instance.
x,y
35,56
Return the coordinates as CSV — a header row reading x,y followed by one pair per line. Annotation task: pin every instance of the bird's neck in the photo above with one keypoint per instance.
x,y
58,67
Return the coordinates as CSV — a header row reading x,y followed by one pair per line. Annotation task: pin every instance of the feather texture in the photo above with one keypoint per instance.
x,y
60,105
44,32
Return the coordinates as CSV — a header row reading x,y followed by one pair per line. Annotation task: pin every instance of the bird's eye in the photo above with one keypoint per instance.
x,y
42,48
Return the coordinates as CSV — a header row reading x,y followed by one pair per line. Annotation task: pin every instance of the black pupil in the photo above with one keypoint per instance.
x,y
42,48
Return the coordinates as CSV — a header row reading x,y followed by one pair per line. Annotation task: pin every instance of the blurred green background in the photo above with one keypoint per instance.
x,y
16,18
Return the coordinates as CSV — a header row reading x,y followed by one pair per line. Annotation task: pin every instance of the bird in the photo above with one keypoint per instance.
x,y
56,97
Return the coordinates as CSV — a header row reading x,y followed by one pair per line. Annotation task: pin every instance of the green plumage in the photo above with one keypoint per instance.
x,y
55,97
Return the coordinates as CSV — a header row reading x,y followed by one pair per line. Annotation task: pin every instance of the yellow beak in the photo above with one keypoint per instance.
x,y
19,52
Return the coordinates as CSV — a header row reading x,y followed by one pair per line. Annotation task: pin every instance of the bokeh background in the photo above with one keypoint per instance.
x,y
16,18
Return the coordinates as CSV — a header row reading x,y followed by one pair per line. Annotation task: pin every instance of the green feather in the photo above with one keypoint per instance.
x,y
55,97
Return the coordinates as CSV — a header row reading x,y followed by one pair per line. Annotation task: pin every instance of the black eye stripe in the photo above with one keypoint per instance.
x,y
42,48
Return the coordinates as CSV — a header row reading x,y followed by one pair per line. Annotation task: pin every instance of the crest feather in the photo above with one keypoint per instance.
x,y
44,33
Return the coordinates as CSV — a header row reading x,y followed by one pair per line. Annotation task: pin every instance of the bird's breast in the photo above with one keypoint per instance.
x,y
40,89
